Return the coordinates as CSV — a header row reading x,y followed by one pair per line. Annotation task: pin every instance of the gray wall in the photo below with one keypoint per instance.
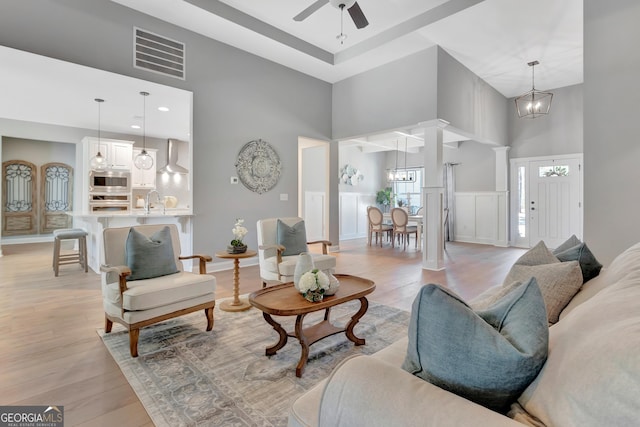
x,y
468,103
372,166
611,126
391,96
238,97
38,152
476,170
560,132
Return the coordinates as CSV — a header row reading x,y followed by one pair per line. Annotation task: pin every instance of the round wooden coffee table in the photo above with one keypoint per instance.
x,y
285,300
236,304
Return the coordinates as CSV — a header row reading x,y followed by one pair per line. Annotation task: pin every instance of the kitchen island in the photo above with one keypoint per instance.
x,y
96,222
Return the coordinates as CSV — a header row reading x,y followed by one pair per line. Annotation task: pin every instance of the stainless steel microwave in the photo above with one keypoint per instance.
x,y
111,181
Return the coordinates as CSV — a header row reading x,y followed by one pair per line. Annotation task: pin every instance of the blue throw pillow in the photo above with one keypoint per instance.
x,y
488,356
149,257
294,239
588,263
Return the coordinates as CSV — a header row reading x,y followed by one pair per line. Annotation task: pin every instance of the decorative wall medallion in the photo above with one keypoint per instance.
x,y
258,166
350,175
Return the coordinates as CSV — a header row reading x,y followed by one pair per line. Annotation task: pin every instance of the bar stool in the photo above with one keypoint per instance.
x,y
79,257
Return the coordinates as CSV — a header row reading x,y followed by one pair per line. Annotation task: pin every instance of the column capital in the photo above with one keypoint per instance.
x,y
506,148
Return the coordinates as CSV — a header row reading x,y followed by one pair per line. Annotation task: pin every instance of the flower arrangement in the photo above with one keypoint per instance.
x,y
239,231
313,284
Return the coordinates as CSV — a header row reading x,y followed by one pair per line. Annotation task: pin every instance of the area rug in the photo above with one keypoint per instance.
x,y
186,376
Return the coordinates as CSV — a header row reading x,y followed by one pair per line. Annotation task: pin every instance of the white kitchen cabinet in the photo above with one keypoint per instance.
x,y
119,154
141,178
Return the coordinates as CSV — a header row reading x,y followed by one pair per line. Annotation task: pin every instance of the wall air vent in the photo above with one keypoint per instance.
x,y
159,54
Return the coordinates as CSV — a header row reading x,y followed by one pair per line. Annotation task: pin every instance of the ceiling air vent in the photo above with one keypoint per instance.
x,y
158,54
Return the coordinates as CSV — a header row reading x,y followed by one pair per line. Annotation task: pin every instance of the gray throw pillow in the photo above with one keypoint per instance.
x,y
539,254
294,239
558,282
569,243
488,356
588,263
149,257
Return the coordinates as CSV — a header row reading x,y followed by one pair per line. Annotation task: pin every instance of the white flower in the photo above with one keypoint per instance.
x,y
239,231
313,280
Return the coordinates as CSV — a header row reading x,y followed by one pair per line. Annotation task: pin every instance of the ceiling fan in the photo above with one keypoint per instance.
x,y
351,5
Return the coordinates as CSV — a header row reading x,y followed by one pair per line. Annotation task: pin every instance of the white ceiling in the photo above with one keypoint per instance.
x,y
493,38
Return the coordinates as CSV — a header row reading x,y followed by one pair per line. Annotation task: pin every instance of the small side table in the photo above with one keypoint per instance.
x,y
237,304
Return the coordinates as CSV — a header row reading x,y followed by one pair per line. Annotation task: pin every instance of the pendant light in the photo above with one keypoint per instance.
x,y
533,103
144,160
98,162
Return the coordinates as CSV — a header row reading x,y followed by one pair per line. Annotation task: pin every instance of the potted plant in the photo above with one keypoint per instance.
x,y
237,246
384,198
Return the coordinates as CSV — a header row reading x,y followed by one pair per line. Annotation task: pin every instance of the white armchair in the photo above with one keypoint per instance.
x,y
277,263
148,299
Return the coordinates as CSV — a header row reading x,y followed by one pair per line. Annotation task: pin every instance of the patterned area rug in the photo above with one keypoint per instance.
x,y
186,376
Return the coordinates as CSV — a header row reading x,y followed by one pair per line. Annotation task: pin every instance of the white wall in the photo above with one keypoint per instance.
x,y
611,126
476,169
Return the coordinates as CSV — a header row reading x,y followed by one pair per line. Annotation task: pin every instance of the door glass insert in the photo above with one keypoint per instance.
x,y
553,171
19,187
522,201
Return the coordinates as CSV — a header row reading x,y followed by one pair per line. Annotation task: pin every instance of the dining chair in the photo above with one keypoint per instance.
x,y
401,229
377,226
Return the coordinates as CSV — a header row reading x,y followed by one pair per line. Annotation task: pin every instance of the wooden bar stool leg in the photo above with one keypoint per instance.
x,y
56,256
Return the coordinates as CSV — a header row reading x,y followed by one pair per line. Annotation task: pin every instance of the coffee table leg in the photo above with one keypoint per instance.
x,y
364,305
304,345
270,351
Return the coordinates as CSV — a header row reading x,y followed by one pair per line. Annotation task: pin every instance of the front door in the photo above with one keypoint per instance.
x,y
554,201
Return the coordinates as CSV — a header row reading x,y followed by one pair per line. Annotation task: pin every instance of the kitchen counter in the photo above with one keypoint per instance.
x,y
133,213
95,222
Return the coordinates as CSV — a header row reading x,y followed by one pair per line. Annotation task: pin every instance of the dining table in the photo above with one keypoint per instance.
x,y
386,217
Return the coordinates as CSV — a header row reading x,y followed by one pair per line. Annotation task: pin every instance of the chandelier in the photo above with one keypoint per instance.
x,y
533,103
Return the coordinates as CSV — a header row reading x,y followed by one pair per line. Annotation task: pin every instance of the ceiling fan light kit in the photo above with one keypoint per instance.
x,y
352,7
534,103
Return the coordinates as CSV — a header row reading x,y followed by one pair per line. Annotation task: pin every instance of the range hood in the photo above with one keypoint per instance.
x,y
172,159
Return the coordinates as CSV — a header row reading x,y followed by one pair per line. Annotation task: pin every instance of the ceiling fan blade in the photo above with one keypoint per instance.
x,y
357,16
308,11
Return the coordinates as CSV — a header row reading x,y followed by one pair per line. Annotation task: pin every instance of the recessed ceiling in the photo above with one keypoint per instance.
x,y
493,38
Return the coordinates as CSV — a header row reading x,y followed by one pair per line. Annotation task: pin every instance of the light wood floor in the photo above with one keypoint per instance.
x,y
50,353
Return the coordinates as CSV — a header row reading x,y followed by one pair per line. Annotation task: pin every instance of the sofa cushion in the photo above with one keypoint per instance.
x,y
149,257
592,374
488,356
558,283
160,291
293,238
588,263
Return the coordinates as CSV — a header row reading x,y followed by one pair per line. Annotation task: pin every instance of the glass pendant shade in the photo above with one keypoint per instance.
x,y
98,162
533,103
144,160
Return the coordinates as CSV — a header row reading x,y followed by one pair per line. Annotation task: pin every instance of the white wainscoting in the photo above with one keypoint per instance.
x,y
353,214
481,217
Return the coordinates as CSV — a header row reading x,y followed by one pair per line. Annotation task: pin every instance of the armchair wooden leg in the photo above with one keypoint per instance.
x,y
209,313
108,324
133,341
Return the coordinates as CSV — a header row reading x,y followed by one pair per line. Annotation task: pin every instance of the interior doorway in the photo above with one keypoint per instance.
x,y
313,187
546,201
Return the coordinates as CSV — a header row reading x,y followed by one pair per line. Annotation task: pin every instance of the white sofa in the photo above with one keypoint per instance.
x,y
591,376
